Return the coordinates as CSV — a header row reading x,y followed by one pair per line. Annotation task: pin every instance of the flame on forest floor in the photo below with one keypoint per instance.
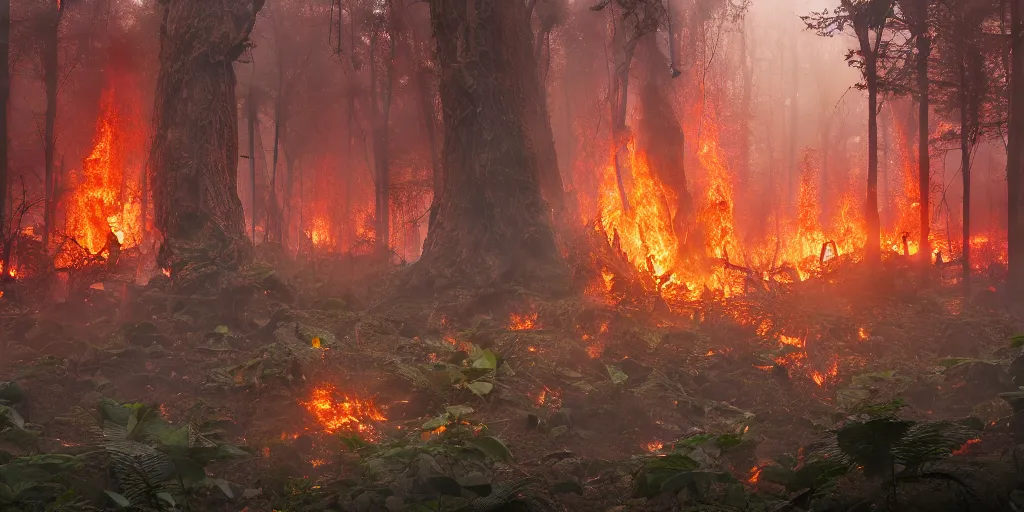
x,y
335,412
524,322
966,446
104,205
654,446
862,334
755,475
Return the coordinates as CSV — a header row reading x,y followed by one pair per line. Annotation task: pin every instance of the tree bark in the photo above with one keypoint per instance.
x,y
492,227
924,48
194,155
250,123
5,94
380,98
872,249
50,64
1015,157
965,162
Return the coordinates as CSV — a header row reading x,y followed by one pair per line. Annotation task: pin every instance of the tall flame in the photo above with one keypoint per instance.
x,y
102,200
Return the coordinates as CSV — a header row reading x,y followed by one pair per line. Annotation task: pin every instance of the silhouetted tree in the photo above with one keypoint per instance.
x,y
492,225
194,156
867,19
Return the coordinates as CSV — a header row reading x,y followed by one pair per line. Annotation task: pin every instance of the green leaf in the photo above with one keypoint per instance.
x,y
870,444
118,499
163,496
487,359
445,485
436,423
11,392
617,376
221,329
492,447
190,472
480,388
1017,341
223,485
12,417
459,411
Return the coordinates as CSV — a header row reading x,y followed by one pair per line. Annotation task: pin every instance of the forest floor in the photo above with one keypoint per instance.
x,y
343,401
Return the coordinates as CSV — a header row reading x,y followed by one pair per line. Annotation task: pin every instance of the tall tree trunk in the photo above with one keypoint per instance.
x,y
5,94
380,99
250,120
924,48
50,63
427,111
492,226
539,130
194,155
1015,157
965,171
872,249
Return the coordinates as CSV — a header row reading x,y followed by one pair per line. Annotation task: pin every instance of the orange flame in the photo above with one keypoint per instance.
x,y
523,322
336,412
104,201
964,449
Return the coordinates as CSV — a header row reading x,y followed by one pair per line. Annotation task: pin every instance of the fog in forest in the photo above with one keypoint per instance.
x,y
770,253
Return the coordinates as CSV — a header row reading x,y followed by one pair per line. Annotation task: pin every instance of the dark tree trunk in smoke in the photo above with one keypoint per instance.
x,y
380,98
194,155
660,134
924,48
5,93
538,122
492,225
1015,157
50,63
965,171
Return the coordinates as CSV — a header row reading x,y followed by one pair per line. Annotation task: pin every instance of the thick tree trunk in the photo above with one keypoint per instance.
x,y
539,131
50,63
1015,157
194,155
924,47
492,226
5,93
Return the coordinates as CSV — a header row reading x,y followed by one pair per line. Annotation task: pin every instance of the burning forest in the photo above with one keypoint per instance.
x,y
492,255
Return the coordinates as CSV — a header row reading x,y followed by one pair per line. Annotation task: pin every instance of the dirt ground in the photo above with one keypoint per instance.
x,y
581,384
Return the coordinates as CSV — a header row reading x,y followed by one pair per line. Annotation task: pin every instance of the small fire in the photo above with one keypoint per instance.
x,y
965,448
524,322
755,475
821,378
336,412
862,334
654,446
793,341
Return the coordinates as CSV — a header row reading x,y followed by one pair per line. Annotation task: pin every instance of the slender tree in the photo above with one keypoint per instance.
x,y
867,19
1015,150
5,94
492,225
50,48
194,154
917,14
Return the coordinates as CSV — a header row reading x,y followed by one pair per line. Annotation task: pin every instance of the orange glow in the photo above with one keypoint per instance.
x,y
105,202
654,446
966,447
644,232
862,334
336,412
755,475
525,322
319,232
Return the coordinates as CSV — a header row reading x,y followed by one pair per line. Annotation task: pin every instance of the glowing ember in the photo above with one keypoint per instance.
x,y
964,449
862,334
525,322
336,412
755,475
654,446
